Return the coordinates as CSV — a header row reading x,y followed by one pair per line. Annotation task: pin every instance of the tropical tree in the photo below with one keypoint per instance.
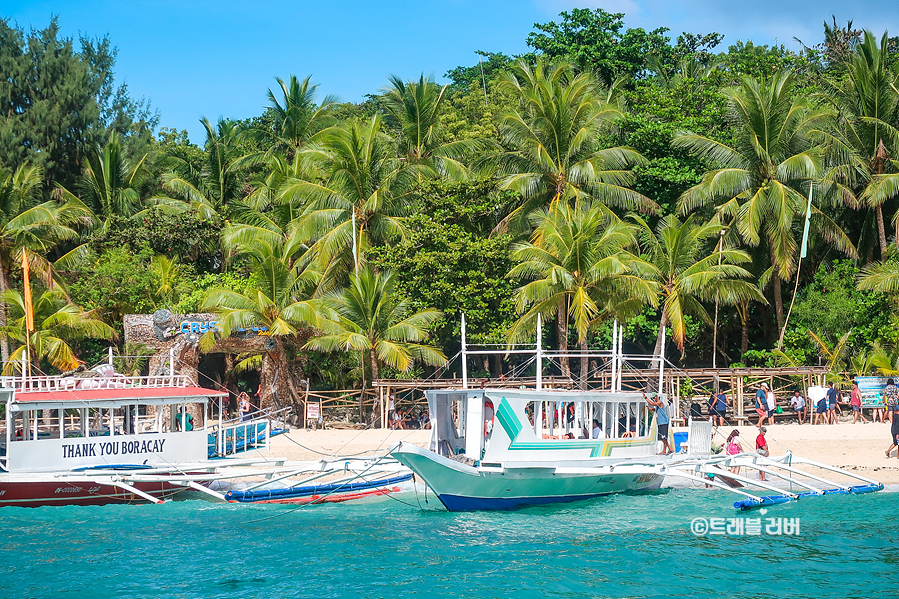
x,y
863,135
687,274
415,107
552,139
296,118
57,322
758,183
280,299
111,182
579,270
211,188
370,317
364,181
25,223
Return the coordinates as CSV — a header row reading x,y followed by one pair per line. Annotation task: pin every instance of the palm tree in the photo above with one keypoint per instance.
x,y
281,301
57,322
580,270
686,274
213,187
297,118
553,153
27,224
756,182
864,131
166,273
365,180
415,107
369,317
110,185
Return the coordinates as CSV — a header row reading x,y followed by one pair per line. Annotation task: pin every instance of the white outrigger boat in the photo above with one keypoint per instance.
x,y
494,449
106,438
500,449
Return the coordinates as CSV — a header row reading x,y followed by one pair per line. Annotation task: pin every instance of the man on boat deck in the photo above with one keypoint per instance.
x,y
658,406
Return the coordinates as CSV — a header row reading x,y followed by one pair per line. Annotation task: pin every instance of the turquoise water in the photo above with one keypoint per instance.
x,y
619,546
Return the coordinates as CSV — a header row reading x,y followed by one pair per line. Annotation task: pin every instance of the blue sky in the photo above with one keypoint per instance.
x,y
194,58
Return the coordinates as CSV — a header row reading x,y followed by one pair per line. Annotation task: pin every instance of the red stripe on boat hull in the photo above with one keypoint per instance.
x,y
37,494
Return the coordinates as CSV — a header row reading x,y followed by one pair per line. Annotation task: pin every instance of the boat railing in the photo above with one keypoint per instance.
x,y
235,436
70,383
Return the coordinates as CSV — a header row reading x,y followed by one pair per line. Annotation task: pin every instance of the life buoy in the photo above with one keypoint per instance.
x,y
488,417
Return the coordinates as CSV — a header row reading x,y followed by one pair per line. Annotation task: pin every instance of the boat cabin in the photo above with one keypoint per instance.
x,y
493,425
64,423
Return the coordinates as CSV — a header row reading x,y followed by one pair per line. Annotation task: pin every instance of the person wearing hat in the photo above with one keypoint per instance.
x,y
761,447
761,403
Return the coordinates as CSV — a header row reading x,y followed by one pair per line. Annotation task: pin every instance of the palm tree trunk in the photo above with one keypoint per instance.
x,y
585,363
4,342
744,340
663,324
362,393
562,332
881,230
778,301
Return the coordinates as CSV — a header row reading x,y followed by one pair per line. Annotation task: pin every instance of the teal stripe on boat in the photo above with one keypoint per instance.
x,y
507,419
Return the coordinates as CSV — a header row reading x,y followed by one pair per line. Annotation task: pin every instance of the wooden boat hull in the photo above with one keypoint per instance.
x,y
37,493
461,487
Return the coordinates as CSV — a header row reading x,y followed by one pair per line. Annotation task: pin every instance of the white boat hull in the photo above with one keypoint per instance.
x,y
461,487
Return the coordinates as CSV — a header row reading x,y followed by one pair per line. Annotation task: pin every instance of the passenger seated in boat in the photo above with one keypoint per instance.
x,y
568,436
597,431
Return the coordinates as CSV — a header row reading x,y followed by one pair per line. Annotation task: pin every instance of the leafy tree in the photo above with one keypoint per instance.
x,y
416,108
296,117
57,323
281,300
757,179
448,260
213,188
553,154
58,100
27,224
369,318
113,283
864,133
464,78
580,271
595,40
686,274
365,180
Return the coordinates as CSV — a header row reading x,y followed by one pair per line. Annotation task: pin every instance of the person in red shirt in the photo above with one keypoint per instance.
x,y
856,402
761,447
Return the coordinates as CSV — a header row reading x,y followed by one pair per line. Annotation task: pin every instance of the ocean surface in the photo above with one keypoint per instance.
x,y
618,546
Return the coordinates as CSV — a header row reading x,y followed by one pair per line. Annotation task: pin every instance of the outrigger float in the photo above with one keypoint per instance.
x,y
501,449
102,438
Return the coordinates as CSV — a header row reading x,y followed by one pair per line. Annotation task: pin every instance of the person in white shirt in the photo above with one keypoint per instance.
x,y
597,431
797,402
772,406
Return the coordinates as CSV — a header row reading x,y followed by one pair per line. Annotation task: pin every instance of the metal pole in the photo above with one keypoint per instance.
x,y
614,354
464,356
355,251
171,366
539,353
662,361
110,355
620,354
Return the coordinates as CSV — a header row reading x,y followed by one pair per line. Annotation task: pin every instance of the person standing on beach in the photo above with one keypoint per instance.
x,y
761,447
658,406
891,396
761,403
855,400
772,406
832,397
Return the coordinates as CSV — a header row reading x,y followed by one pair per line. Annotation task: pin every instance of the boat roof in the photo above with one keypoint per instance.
x,y
108,398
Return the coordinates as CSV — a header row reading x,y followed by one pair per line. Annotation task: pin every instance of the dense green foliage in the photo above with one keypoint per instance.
x,y
608,173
